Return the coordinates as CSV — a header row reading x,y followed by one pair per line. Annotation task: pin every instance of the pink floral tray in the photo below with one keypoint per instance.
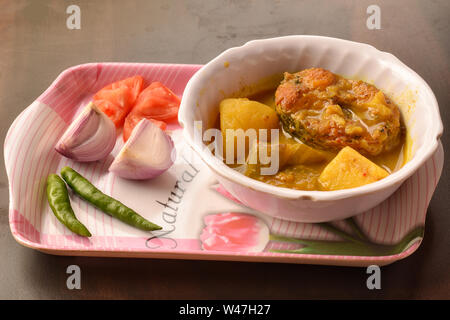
x,y
186,200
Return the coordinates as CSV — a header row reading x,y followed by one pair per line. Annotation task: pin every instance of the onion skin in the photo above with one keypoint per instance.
x,y
136,160
90,137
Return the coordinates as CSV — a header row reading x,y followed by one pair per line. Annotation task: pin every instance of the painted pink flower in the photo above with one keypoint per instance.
x,y
233,231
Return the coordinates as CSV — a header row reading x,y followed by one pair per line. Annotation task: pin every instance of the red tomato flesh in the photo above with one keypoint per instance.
x,y
156,103
132,121
117,99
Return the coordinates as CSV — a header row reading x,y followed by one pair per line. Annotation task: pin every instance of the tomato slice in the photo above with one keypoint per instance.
x,y
131,121
117,99
156,103
134,84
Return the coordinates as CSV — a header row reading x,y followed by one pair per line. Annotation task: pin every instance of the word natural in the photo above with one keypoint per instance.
x,y
170,212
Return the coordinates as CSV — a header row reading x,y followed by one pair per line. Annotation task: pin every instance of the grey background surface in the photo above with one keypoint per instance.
x,y
35,46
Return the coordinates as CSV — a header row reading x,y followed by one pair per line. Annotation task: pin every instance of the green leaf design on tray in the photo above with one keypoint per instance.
x,y
353,245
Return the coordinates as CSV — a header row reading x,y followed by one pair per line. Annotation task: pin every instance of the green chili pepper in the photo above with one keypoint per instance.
x,y
108,205
58,199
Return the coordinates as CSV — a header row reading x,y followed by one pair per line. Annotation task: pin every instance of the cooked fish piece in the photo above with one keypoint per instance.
x,y
329,112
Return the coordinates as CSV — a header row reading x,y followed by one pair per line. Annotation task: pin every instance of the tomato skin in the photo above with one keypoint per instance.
x,y
156,103
117,99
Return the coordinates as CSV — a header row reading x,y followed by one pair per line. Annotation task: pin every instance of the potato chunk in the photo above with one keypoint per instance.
x,y
289,154
241,113
349,169
296,153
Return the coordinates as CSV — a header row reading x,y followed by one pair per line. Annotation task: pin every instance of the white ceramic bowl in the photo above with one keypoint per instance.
x,y
248,64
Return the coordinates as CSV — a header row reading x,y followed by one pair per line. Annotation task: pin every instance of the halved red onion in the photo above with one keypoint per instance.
x,y
90,137
147,153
